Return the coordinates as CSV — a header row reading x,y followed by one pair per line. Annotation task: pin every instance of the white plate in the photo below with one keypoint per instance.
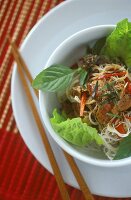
x,y
48,33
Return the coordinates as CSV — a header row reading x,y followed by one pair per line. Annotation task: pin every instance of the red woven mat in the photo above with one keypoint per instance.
x,y
21,176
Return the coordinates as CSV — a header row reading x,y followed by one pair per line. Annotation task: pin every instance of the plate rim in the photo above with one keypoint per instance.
x,y
15,68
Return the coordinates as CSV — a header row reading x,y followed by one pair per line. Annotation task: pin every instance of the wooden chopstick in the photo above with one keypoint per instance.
x,y
55,167
86,192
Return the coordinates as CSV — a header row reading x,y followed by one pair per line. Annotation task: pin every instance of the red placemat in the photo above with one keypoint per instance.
x,y
21,176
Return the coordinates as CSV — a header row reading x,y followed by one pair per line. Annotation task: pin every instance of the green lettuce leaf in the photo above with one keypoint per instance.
x,y
118,43
57,118
74,130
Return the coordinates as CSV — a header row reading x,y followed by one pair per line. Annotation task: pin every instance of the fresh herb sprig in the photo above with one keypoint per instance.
x,y
84,76
114,115
107,85
54,78
110,92
108,100
95,90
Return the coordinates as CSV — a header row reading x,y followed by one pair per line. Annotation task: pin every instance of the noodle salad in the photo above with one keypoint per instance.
x,y
95,95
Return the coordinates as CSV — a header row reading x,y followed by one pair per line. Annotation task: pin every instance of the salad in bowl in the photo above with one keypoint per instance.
x,y
93,93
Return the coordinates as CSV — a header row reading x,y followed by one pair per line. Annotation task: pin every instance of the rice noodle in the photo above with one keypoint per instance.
x,y
108,132
111,136
91,119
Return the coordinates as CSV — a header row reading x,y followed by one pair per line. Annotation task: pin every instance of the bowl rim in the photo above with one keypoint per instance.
x,y
61,142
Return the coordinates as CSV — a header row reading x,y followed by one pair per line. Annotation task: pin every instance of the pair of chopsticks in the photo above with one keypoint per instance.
x,y
23,70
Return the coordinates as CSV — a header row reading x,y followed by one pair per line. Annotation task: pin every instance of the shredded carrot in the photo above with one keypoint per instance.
x,y
83,103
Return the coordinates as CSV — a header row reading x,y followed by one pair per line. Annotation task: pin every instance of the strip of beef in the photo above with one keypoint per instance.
x,y
71,109
123,104
67,108
101,114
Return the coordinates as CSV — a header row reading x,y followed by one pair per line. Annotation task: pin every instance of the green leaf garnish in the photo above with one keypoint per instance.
x,y
54,78
114,115
110,92
83,75
74,130
88,50
124,149
95,90
57,118
98,46
107,85
106,101
118,43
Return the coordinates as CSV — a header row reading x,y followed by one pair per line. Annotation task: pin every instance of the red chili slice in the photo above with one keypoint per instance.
x,y
112,74
120,128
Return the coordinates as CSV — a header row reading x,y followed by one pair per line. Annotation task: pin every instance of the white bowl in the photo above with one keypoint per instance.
x,y
68,53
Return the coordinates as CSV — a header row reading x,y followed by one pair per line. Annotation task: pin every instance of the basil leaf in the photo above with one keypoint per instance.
x,y
83,75
98,45
54,78
124,149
